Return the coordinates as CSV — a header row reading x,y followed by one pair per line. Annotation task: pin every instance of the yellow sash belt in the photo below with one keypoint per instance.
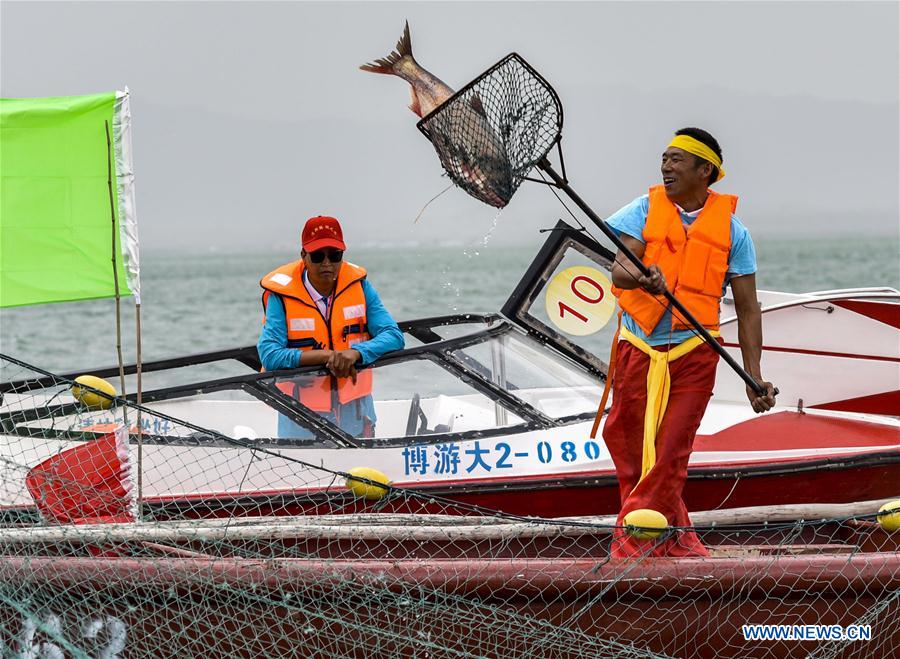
x,y
658,382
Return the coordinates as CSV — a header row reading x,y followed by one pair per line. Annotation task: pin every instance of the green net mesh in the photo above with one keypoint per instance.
x,y
91,568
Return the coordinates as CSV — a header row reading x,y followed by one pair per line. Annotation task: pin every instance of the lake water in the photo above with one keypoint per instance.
x,y
194,302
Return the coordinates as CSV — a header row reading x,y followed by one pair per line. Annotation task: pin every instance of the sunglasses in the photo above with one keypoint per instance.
x,y
334,255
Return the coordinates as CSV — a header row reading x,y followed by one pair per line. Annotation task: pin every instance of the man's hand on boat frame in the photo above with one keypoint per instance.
x,y
762,403
342,363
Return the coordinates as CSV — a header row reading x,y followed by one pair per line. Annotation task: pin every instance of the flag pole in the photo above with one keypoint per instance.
x,y
112,211
137,319
140,428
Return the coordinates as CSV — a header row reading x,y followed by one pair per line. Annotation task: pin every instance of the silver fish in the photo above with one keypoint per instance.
x,y
474,156
427,91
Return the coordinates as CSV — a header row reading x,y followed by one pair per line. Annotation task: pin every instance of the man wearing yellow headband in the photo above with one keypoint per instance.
x,y
693,244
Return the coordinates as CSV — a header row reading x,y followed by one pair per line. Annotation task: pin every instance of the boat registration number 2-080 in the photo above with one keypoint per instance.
x,y
454,458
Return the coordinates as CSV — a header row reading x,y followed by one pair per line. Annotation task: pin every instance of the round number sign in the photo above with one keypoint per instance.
x,y
580,300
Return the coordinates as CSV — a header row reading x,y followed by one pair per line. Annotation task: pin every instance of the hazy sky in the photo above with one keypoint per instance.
x,y
250,117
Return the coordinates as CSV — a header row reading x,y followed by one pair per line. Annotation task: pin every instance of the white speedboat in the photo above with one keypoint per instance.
x,y
496,410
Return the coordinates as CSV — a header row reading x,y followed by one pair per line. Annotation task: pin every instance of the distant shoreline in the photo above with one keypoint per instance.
x,y
758,236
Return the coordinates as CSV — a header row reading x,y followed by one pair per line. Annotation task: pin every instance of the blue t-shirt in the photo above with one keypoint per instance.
x,y
630,220
275,355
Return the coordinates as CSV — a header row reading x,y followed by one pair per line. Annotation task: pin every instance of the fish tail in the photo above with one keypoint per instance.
x,y
387,64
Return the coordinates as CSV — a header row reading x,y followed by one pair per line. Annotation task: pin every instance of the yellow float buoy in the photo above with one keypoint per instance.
x,y
643,523
367,490
890,521
91,399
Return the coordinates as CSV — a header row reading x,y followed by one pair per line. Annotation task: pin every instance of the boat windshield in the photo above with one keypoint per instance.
x,y
531,372
566,297
400,399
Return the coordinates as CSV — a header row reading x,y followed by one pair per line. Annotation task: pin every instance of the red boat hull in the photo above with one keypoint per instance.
x,y
681,607
835,480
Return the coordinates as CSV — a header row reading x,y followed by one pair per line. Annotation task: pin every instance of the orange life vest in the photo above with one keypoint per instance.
x,y
308,329
694,262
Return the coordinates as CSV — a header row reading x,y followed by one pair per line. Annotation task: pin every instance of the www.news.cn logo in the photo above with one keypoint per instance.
x,y
806,632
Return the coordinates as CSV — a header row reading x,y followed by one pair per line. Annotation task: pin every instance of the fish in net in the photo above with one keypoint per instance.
x,y
492,132
495,130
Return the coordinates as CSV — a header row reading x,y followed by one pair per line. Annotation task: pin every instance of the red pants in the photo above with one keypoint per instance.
x,y
692,380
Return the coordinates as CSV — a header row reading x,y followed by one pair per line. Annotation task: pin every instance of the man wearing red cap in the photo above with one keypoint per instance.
x,y
321,310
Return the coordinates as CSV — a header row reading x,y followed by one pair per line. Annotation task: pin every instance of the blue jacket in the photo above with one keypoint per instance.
x,y
275,355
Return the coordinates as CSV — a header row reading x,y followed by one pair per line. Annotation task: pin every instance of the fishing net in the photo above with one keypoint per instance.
x,y
91,566
491,133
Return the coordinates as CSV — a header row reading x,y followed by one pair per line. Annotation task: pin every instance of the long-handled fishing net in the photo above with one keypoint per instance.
x,y
495,130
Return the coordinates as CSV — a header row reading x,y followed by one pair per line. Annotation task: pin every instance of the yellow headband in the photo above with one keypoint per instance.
x,y
699,149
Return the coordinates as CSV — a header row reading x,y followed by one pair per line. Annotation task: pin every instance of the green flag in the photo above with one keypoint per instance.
x,y
56,212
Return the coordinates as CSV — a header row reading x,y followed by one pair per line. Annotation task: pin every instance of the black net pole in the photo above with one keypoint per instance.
x,y
563,185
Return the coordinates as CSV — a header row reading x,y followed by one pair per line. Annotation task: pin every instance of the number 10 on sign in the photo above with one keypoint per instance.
x,y
580,300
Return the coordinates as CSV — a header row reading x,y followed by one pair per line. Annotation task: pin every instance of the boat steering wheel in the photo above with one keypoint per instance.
x,y
416,414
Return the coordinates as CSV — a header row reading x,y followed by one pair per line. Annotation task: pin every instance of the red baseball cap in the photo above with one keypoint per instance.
x,y
322,231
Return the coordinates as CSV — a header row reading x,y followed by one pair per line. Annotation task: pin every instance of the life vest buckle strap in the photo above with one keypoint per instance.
x,y
308,342
356,328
